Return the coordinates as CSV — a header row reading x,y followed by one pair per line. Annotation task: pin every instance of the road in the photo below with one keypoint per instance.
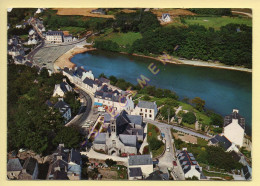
x,y
187,131
84,110
244,13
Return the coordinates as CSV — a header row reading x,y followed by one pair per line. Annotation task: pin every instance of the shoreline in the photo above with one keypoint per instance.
x,y
65,60
195,63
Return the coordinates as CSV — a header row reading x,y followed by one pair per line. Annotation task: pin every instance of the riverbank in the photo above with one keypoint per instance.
x,y
194,63
65,60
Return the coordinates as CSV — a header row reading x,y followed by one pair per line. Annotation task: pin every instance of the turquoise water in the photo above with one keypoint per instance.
x,y
222,89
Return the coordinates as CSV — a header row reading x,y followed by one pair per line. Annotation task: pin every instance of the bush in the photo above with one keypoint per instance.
x,y
110,162
155,143
189,118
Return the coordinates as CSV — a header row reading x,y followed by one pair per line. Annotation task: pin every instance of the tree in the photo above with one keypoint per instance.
x,y
199,103
102,75
189,118
154,143
147,98
167,111
110,162
217,120
69,136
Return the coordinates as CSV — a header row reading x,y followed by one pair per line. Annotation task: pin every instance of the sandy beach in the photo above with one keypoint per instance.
x,y
64,60
197,63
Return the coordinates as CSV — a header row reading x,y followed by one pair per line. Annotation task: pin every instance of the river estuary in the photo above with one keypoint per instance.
x,y
222,89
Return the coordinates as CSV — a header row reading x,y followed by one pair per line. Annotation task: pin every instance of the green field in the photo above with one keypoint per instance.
x,y
73,30
217,22
123,38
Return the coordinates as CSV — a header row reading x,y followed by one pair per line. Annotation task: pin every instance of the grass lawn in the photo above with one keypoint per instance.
x,y
188,125
202,142
217,22
201,117
122,38
24,37
213,174
153,131
73,30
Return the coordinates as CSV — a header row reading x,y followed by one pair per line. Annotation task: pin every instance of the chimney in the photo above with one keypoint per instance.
x,y
184,148
59,157
64,80
61,99
235,110
24,171
56,168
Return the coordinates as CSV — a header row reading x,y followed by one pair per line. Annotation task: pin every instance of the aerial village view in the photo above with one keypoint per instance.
x,y
129,94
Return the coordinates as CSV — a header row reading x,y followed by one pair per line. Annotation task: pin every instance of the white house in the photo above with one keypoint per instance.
x,y
146,109
32,41
54,37
31,32
117,99
166,18
67,38
18,26
61,89
39,10
234,128
64,109
139,165
189,165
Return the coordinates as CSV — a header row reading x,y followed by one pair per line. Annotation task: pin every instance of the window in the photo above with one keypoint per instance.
x,y
150,111
141,110
146,115
150,115
145,110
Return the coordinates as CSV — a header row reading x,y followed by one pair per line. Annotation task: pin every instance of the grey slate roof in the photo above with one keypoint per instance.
x,y
104,80
147,104
54,33
29,64
140,160
165,15
63,86
14,165
30,165
228,119
135,172
89,82
221,140
100,138
62,106
158,175
107,118
75,156
187,160
136,119
128,140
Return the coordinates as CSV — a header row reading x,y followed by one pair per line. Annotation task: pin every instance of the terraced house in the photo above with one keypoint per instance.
x,y
189,165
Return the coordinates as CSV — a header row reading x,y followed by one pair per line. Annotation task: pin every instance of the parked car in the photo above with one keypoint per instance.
x,y
168,149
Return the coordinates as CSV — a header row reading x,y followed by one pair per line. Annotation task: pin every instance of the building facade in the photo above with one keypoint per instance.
x,y
146,109
234,128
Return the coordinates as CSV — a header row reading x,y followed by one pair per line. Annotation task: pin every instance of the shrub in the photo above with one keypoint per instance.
x,y
189,118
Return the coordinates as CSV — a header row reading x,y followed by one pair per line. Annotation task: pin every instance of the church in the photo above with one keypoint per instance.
x,y
124,135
